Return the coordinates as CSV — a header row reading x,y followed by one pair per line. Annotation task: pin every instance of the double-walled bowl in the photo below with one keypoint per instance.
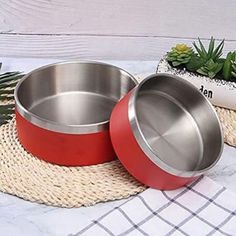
x,y
63,111
165,132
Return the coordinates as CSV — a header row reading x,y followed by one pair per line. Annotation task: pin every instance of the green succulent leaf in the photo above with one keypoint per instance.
x,y
202,71
7,98
8,85
211,47
3,122
200,53
9,77
229,67
234,74
195,63
6,107
6,91
234,67
204,52
218,68
218,51
210,69
8,82
176,63
6,112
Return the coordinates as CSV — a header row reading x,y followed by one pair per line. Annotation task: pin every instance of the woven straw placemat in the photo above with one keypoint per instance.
x,y
228,121
27,177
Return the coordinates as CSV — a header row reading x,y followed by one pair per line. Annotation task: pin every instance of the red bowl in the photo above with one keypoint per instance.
x,y
165,132
63,111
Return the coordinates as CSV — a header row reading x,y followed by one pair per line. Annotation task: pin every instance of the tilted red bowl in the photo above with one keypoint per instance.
x,y
165,132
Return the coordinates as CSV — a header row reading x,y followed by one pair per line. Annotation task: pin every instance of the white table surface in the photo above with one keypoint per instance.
x,y
19,217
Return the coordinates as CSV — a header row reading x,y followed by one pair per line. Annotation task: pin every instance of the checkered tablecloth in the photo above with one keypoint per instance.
x,y
201,208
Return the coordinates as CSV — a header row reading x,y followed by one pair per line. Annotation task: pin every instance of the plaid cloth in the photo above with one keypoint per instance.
x,y
201,208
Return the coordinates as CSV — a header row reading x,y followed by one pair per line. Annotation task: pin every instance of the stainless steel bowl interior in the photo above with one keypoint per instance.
x,y
175,125
72,97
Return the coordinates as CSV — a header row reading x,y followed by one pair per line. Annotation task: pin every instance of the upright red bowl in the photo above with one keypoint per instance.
x,y
63,111
165,132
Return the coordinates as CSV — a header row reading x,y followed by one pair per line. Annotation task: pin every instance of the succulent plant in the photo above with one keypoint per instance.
x,y
206,60
212,53
229,68
180,54
210,68
201,58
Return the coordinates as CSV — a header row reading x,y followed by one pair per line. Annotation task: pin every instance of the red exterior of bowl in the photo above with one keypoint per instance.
x,y
63,111
64,149
133,158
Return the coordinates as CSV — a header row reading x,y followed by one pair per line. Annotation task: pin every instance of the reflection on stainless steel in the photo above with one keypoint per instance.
x,y
72,97
175,125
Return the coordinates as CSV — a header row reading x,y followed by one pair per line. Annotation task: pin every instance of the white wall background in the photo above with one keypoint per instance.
x,y
111,29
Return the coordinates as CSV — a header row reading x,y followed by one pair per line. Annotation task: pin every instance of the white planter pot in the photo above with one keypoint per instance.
x,y
219,92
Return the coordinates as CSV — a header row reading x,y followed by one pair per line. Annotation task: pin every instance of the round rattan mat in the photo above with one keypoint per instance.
x,y
27,177
228,121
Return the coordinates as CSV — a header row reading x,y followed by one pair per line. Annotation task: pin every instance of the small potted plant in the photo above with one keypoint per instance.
x,y
212,74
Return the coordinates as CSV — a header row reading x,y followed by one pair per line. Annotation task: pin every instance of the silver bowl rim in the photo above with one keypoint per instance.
x,y
146,148
57,127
